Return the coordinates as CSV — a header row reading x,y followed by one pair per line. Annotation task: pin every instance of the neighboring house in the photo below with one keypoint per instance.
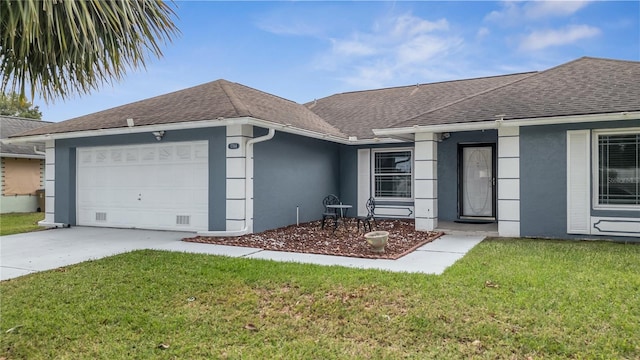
x,y
543,154
21,167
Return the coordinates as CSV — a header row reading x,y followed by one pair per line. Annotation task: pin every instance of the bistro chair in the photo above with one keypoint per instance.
x,y
330,213
366,220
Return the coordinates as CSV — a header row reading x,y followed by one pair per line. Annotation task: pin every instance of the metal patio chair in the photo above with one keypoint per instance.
x,y
366,220
330,213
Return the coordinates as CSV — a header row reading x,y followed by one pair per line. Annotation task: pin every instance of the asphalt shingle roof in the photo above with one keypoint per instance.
x,y
356,113
581,87
10,125
210,101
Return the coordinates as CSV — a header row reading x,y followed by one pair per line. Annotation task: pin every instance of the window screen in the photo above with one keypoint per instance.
x,y
392,174
619,169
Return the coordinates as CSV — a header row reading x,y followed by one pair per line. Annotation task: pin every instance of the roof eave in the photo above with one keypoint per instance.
x,y
22,156
198,125
494,124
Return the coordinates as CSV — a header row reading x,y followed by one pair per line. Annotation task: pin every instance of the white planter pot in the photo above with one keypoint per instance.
x,y
377,240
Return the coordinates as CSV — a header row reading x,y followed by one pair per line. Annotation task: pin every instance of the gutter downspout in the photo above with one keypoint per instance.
x,y
248,165
37,152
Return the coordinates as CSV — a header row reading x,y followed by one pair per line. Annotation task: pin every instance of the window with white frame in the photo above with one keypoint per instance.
x,y
392,174
618,169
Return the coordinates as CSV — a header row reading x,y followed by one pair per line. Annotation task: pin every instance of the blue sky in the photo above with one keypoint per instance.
x,y
306,50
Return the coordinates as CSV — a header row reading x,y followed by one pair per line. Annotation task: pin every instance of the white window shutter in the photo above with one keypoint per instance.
x,y
578,182
364,180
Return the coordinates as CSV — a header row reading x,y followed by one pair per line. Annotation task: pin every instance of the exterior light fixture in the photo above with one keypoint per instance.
x,y
158,134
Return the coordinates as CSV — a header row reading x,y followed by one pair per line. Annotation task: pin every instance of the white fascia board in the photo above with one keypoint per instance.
x,y
297,131
129,130
573,119
317,135
485,125
22,156
198,125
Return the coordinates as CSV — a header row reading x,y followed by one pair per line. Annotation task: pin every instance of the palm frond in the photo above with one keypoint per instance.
x,y
61,47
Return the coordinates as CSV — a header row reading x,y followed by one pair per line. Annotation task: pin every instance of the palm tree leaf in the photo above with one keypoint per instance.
x,y
58,48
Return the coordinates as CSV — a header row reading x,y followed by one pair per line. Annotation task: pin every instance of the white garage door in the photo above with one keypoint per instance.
x,y
155,186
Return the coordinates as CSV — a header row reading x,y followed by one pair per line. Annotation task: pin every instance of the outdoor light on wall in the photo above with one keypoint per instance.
x,y
158,134
445,136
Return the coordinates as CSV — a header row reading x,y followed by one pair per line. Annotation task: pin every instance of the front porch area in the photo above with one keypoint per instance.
x,y
456,228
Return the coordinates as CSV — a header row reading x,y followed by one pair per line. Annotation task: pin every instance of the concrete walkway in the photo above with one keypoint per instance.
x,y
28,253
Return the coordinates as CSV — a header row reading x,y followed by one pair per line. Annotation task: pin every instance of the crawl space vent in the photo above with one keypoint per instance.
x,y
183,219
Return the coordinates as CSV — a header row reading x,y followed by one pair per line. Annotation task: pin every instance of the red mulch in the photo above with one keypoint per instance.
x,y
347,240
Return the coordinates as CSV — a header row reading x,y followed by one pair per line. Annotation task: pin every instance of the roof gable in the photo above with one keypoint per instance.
x,y
214,100
581,87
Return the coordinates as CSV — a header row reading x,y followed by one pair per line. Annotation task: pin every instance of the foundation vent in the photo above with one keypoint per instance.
x,y
183,219
101,216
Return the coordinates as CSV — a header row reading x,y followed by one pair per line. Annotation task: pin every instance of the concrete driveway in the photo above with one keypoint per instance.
x,y
27,253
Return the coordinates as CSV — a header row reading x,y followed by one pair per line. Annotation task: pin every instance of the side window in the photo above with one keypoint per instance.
x,y
392,174
618,169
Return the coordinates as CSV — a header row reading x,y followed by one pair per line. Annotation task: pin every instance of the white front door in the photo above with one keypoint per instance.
x,y
477,182
161,186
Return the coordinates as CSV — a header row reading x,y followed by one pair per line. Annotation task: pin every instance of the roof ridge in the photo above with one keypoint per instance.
x,y
228,88
604,59
237,104
424,84
531,74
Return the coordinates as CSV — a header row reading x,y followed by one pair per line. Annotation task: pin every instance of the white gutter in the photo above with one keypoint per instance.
x,y
248,190
486,125
633,115
38,152
437,128
23,156
198,125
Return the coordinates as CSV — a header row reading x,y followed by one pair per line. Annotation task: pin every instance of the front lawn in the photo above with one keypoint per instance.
x,y
506,299
15,223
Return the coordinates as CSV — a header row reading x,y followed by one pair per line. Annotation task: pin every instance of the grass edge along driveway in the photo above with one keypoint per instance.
x,y
506,299
16,223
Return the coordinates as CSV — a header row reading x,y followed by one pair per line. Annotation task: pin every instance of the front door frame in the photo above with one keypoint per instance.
x,y
494,161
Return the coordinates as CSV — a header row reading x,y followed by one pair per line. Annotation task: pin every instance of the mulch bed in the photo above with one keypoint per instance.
x,y
347,240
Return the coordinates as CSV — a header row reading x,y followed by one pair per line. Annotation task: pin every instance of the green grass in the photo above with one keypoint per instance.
x,y
15,223
506,299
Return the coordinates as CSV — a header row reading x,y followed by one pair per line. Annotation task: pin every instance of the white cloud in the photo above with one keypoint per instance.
x,y
543,9
483,32
510,13
352,47
515,12
538,40
421,49
395,48
408,25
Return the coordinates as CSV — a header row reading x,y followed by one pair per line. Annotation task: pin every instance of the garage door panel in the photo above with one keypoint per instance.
x,y
159,186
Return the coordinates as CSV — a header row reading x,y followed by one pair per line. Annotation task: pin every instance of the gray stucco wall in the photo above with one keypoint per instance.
x,y
290,171
448,169
349,176
65,185
543,179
